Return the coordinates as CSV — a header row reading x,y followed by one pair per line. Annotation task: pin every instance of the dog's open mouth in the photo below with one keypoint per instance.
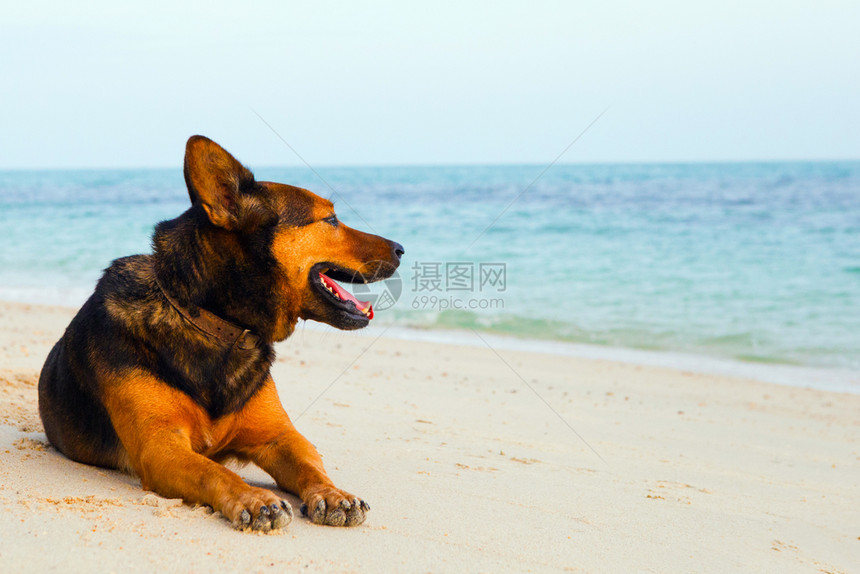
x,y
339,296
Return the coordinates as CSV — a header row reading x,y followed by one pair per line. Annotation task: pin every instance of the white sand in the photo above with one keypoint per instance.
x,y
467,469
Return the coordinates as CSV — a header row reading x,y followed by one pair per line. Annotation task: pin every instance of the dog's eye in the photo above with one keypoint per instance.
x,y
331,220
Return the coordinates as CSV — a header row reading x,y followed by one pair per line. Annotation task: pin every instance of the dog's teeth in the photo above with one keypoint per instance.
x,y
329,288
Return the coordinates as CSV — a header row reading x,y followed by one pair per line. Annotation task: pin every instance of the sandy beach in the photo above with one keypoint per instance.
x,y
473,460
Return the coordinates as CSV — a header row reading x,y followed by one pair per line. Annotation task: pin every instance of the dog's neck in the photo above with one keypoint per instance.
x,y
203,268
214,326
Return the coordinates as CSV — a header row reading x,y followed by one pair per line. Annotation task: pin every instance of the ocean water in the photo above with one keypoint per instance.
x,y
748,261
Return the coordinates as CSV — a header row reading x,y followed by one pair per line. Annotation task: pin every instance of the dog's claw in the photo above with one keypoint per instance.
x,y
263,521
288,510
281,515
304,509
244,518
319,513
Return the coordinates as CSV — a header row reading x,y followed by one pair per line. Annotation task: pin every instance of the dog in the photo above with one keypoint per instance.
x,y
165,370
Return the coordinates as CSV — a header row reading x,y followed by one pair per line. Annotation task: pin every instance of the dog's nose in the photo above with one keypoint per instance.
x,y
397,249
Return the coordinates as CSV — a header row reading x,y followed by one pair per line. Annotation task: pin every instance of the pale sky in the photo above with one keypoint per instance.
x,y
115,84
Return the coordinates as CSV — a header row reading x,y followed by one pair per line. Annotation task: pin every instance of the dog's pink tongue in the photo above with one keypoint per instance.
x,y
363,306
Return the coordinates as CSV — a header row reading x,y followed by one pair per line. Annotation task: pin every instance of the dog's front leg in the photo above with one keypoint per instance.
x,y
269,438
159,428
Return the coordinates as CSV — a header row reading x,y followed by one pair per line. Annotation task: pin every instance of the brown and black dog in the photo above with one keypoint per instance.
x,y
165,369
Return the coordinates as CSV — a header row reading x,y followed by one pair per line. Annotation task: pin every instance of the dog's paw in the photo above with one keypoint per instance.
x,y
258,509
334,507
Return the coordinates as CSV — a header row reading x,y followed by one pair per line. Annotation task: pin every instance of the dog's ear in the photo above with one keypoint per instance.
x,y
222,185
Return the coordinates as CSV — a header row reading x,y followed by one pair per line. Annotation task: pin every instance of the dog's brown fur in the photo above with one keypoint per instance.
x,y
134,383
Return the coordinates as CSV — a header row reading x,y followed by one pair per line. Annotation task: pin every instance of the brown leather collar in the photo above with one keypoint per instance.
x,y
215,326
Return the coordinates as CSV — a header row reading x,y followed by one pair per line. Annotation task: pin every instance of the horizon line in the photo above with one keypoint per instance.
x,y
299,165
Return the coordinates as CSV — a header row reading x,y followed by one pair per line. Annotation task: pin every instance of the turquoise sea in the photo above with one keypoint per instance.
x,y
751,261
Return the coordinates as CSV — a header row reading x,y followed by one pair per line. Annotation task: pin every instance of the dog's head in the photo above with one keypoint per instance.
x,y
299,233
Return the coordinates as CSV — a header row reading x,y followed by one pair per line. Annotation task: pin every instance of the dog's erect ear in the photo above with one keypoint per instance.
x,y
218,182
